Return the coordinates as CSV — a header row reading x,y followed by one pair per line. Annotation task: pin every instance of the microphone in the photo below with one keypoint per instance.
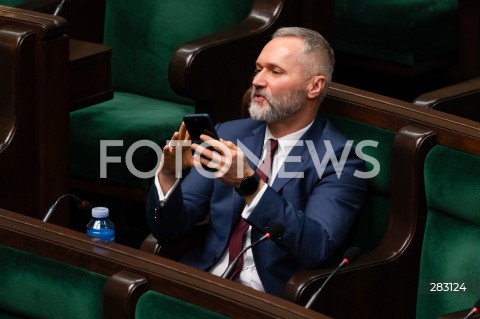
x,y
58,8
83,206
474,310
350,256
275,230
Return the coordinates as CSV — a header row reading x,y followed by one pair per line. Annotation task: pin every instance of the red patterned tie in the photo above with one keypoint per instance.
x,y
236,241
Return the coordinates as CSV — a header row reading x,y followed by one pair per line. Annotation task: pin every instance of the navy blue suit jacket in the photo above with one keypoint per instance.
x,y
317,211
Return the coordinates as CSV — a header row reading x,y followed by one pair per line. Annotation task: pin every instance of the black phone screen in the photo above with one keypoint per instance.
x,y
198,124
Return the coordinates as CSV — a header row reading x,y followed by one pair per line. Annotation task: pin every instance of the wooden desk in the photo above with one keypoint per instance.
x,y
90,74
164,276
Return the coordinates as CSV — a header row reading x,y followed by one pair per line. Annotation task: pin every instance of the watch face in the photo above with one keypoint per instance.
x,y
249,185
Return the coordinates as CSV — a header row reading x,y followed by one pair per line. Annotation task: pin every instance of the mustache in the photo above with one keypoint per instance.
x,y
260,92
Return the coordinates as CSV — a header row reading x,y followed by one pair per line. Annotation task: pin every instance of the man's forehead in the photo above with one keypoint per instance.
x,y
281,49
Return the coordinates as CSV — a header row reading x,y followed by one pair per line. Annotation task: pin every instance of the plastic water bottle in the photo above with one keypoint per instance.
x,y
100,226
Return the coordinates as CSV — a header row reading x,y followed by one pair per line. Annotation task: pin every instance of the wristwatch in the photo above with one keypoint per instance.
x,y
249,185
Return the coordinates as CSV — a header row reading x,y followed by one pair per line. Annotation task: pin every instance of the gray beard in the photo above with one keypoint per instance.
x,y
277,108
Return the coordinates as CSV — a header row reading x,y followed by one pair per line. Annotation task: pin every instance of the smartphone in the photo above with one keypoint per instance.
x,y
198,124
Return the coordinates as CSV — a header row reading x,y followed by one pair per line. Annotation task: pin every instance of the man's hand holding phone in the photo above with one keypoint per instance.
x,y
177,156
198,125
227,160
196,144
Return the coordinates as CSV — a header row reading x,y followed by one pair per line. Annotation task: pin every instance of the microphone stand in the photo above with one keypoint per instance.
x,y
275,230
228,272
52,208
315,295
350,255
59,8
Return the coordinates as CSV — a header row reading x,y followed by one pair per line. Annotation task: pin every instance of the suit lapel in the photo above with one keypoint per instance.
x,y
314,134
253,144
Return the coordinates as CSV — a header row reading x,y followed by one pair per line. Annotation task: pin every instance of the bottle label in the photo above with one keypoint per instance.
x,y
105,234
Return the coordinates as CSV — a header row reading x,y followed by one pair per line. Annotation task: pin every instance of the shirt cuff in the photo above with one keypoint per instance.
x,y
161,196
249,208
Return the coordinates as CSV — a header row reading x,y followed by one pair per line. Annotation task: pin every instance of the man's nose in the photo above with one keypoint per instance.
x,y
259,79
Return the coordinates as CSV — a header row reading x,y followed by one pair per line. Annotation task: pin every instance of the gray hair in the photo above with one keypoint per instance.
x,y
323,59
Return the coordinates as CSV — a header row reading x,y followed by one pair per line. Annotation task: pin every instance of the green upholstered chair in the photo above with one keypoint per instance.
x,y
406,32
159,49
374,216
153,304
129,295
389,228
38,287
389,223
402,48
449,269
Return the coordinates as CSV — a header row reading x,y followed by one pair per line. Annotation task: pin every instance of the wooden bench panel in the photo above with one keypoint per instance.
x,y
164,276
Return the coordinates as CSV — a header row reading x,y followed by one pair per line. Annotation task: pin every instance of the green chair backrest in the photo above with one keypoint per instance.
x,y
450,261
374,216
36,287
153,304
400,31
12,3
144,35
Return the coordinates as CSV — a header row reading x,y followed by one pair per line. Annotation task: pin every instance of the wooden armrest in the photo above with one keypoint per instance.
x,y
462,99
85,17
121,293
151,245
452,92
174,250
16,52
303,284
44,25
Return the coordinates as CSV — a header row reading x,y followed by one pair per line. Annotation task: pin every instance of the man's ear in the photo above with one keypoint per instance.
x,y
316,86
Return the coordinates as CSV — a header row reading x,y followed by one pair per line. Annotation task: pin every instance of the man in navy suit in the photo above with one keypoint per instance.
x,y
315,199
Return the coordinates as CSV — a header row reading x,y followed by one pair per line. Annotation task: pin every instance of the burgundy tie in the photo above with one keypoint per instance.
x,y
264,168
236,241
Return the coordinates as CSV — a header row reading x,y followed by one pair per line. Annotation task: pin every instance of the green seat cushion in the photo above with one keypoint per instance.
x,y
156,305
144,37
374,216
128,118
38,287
450,251
12,3
401,31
